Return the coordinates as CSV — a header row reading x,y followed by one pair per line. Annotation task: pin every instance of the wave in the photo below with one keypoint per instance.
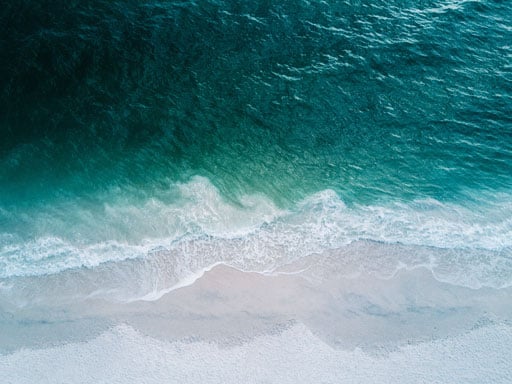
x,y
195,228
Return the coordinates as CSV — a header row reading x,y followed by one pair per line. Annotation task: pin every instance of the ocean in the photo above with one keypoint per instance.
x,y
144,142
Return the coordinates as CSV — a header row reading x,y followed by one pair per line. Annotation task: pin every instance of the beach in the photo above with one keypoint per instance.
x,y
289,326
228,191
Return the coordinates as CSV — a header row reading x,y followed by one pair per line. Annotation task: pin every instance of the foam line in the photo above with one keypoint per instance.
x,y
200,229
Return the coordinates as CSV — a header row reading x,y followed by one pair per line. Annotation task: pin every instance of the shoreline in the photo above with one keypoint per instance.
x,y
327,329
226,305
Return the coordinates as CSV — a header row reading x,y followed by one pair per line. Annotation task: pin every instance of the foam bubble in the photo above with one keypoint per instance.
x,y
197,228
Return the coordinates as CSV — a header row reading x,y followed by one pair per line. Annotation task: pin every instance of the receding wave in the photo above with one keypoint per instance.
x,y
466,245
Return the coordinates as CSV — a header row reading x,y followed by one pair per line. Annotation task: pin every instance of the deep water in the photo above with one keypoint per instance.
x,y
127,126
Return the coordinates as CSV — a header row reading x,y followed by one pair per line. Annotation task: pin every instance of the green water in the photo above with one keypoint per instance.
x,y
117,103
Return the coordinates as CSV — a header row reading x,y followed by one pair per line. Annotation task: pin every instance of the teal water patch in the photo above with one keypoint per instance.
x,y
106,107
399,101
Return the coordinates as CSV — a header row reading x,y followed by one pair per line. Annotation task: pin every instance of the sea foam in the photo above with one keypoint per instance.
x,y
174,241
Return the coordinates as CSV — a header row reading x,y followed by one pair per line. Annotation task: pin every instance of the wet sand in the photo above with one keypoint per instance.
x,y
226,311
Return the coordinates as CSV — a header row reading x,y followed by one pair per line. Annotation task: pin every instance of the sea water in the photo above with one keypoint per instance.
x,y
146,141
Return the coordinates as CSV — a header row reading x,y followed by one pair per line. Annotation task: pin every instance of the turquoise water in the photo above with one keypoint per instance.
x,y
259,132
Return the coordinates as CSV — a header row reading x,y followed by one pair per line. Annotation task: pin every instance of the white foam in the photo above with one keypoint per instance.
x,y
49,255
185,282
123,355
198,228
